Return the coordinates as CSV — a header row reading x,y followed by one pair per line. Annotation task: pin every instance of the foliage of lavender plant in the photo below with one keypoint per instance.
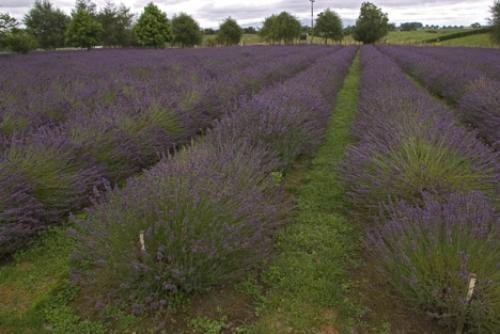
x,y
474,89
409,143
126,110
480,106
207,215
20,213
428,255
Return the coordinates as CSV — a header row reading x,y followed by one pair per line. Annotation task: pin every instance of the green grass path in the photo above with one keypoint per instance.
x,y
309,281
35,292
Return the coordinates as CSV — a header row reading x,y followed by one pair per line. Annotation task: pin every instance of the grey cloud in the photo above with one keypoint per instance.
x,y
29,3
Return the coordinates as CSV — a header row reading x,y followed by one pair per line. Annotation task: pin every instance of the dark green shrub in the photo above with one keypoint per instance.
x,y
20,41
230,32
371,25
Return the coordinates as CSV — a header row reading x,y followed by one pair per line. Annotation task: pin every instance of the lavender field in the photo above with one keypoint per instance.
x,y
68,134
244,190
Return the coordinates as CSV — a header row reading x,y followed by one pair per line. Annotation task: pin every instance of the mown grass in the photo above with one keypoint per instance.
x,y
415,37
474,41
308,282
35,290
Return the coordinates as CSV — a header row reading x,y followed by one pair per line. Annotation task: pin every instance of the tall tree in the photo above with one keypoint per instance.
x,y
47,24
269,30
116,25
152,28
281,28
495,21
230,32
83,30
288,27
88,6
185,31
7,23
371,25
329,25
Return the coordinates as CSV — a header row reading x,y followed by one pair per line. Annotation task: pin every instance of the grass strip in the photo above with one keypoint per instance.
x,y
308,282
35,290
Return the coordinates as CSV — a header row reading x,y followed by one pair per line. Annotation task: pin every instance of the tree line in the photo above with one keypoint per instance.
x,y
49,28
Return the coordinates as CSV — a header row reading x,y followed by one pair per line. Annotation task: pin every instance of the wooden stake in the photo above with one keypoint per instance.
x,y
472,285
141,241
470,292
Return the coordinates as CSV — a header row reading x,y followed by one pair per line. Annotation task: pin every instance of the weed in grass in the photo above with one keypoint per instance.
x,y
204,325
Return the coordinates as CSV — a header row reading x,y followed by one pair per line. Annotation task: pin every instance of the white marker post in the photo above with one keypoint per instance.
x,y
141,241
470,292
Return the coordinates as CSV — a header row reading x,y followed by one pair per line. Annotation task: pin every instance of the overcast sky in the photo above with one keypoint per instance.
x,y
210,12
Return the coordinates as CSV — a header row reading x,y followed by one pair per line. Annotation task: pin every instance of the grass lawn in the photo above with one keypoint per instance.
x,y
415,37
474,41
419,37
250,39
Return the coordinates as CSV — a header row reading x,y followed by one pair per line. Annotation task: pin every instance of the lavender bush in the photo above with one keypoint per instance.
x,y
58,172
205,217
428,255
21,215
480,106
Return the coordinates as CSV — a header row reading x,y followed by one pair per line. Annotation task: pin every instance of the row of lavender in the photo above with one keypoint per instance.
x,y
485,60
53,89
207,215
474,89
53,170
430,189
